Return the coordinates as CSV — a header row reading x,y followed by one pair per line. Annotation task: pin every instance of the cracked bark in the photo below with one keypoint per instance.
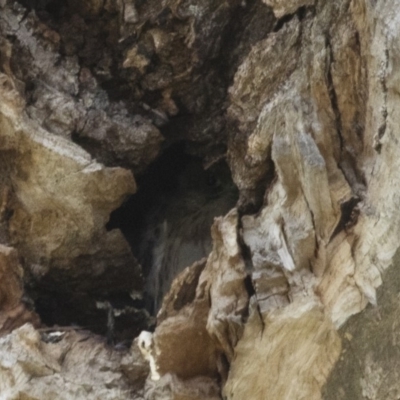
x,y
300,98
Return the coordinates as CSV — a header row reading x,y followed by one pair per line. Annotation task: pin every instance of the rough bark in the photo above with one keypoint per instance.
x,y
300,98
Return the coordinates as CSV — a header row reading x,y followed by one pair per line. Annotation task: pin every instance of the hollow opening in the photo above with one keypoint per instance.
x,y
167,222
100,304
168,226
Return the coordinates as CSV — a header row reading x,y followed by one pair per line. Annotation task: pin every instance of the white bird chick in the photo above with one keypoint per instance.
x,y
146,346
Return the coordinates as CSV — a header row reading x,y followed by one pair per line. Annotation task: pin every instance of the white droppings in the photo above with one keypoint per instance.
x,y
146,346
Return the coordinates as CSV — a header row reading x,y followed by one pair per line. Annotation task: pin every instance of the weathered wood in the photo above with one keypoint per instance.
x,y
301,99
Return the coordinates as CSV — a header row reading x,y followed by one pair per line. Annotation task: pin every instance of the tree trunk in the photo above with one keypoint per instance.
x,y
199,199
